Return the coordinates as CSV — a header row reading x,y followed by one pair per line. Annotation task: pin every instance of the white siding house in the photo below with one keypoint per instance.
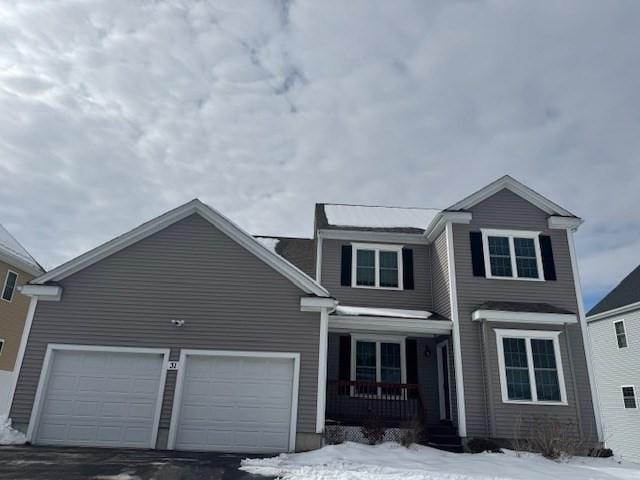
x,y
614,331
616,368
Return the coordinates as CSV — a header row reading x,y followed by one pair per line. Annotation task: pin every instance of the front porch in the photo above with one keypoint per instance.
x,y
395,369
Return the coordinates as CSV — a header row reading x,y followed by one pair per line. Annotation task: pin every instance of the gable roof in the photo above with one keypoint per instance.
x,y
299,251
277,262
520,189
337,216
626,293
13,253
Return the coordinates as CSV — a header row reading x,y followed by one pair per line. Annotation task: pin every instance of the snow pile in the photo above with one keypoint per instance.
x,y
391,461
381,312
8,435
269,242
379,217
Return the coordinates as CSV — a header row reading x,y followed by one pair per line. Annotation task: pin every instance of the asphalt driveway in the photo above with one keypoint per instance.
x,y
48,463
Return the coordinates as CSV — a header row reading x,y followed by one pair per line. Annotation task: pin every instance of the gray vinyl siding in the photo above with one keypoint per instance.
x,y
615,367
417,299
505,210
228,298
440,276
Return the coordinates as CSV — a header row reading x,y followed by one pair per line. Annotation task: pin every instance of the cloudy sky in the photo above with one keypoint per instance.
x,y
114,111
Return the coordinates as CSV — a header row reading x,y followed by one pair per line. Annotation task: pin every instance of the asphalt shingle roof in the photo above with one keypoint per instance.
x,y
298,251
625,293
523,307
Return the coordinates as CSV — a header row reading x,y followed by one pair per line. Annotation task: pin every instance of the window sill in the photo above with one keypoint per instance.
x,y
524,279
376,288
531,402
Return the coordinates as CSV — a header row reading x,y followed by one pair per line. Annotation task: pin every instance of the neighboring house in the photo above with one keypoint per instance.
x,y
188,333
614,327
16,268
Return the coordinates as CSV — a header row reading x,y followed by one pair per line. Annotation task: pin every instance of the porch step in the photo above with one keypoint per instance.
x,y
443,436
447,448
442,429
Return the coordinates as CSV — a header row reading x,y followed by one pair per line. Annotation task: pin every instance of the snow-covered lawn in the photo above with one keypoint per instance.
x,y
8,435
391,461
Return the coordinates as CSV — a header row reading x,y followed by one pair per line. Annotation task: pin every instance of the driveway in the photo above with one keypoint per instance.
x,y
48,463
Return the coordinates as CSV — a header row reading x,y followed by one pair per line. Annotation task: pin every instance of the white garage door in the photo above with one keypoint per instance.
x,y
96,398
235,404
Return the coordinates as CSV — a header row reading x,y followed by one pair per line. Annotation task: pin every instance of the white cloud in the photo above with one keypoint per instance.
x,y
114,111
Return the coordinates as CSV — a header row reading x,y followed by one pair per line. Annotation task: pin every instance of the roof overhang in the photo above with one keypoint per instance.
x,y
613,312
42,292
440,221
564,223
20,264
317,304
233,231
524,317
340,323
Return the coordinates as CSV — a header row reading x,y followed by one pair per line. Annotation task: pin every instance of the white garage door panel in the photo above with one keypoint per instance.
x,y
236,404
100,399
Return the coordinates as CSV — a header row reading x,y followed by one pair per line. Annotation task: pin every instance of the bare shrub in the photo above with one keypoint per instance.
x,y
555,439
334,434
479,445
411,432
373,429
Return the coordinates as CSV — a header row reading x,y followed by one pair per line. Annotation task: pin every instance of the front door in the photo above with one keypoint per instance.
x,y
443,380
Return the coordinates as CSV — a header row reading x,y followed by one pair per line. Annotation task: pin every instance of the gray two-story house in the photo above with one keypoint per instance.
x,y
189,333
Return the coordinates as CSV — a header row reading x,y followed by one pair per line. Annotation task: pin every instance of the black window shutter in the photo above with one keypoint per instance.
x,y
547,257
412,365
345,274
344,363
477,254
407,268
412,361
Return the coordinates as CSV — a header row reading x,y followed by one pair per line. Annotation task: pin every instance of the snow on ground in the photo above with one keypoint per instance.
x,y
379,217
391,461
8,435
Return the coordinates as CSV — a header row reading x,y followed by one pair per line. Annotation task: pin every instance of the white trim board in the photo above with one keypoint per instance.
x,y
586,339
233,231
524,317
36,411
373,236
179,390
457,344
323,348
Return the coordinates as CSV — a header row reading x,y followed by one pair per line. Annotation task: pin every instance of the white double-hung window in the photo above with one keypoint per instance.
x,y
530,367
377,360
512,254
376,266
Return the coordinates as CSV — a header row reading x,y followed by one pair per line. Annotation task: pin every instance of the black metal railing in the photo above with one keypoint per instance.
x,y
351,402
